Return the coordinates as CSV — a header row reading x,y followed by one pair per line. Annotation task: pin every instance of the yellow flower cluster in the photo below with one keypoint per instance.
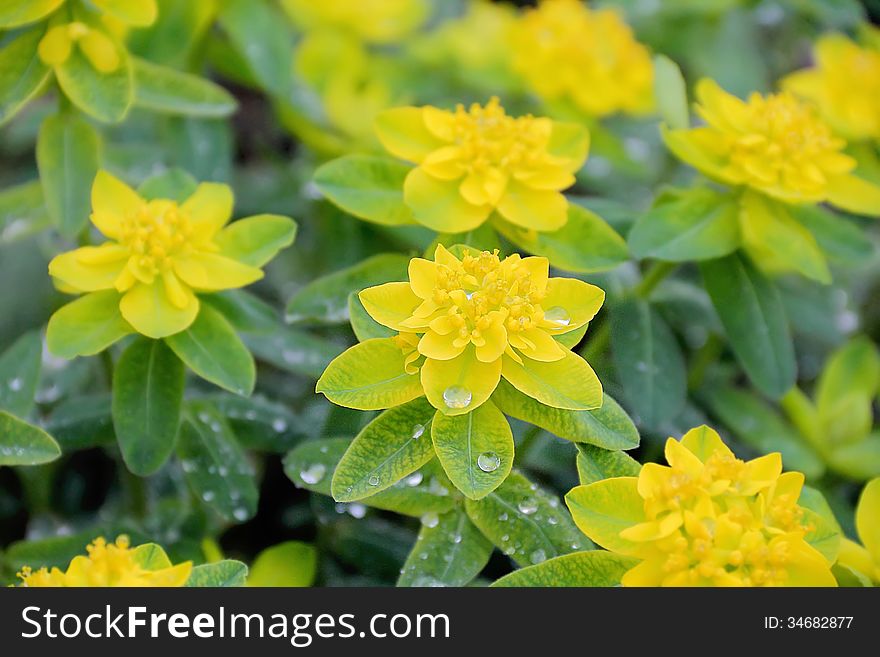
x,y
844,85
706,519
464,323
473,161
108,564
373,21
588,58
774,144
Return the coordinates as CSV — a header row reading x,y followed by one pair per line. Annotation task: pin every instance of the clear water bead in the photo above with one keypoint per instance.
x,y
430,520
373,480
418,430
314,473
488,461
557,315
538,556
457,397
528,506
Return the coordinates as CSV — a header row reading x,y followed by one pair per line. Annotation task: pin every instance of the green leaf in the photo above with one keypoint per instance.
x,y
687,224
370,376
150,556
325,299
605,508
586,243
449,551
608,427
147,396
246,312
22,73
595,464
525,522
859,461
671,93
751,310
395,444
367,186
260,34
475,449
221,574
289,564
57,550
162,89
105,97
365,327
22,212
648,362
840,239
594,568
68,158
259,423
293,351
845,391
175,184
214,465
211,349
757,424
20,374
86,326
203,147
82,422
24,444
256,240
21,12
427,490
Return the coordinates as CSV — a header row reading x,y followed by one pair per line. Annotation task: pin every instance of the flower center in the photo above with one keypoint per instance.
x,y
490,139
483,286
155,234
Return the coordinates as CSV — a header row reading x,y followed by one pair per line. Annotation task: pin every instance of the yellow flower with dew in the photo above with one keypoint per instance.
x,y
94,35
776,145
844,85
463,323
706,519
865,558
373,21
587,58
473,161
112,564
161,254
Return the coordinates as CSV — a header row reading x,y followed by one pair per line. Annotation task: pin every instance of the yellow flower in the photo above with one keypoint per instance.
x,y
568,52
844,85
68,31
465,323
114,564
160,254
374,21
865,558
473,161
706,519
774,144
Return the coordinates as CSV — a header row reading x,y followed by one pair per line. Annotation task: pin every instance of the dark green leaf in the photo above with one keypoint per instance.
x,y
221,574
24,444
20,374
163,89
595,464
22,73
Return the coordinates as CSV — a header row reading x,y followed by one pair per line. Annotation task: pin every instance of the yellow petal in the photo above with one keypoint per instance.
x,y
703,441
137,13
569,383
209,271
720,109
854,556
440,347
444,163
570,143
854,195
171,577
112,202
100,50
681,458
422,277
868,518
762,473
805,565
539,271
535,209
495,338
460,385
402,131
209,209
649,572
570,303
90,268
439,205
151,313
440,123
542,346
390,304
700,148
55,46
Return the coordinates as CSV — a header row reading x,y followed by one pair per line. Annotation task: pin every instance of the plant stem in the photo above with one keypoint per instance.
x,y
652,277
705,356
134,489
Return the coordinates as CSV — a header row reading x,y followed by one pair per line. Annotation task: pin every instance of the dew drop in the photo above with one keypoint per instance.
x,y
313,474
373,480
456,539
457,397
241,514
528,506
279,425
414,479
538,556
208,495
357,510
488,461
16,384
418,430
430,520
558,316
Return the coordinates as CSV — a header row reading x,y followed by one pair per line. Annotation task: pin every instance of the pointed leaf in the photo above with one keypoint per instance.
x,y
220,574
86,326
103,96
289,564
592,568
24,444
22,73
595,464
162,89
20,374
